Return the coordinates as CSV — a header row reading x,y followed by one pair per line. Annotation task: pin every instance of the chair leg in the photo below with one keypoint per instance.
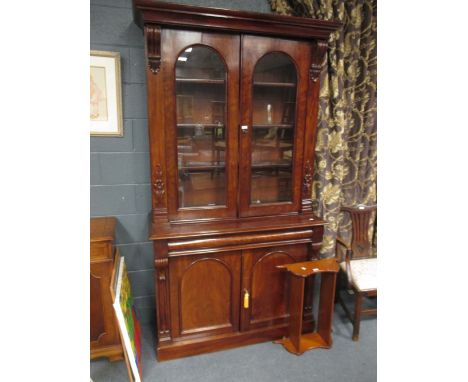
x,y
357,316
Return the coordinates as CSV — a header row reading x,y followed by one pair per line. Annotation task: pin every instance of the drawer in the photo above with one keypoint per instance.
x,y
243,241
101,251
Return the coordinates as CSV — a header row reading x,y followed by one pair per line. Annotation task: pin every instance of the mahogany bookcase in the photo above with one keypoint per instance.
x,y
232,117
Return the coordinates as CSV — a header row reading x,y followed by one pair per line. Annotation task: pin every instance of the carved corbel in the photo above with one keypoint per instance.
x,y
161,268
161,265
158,186
318,58
153,47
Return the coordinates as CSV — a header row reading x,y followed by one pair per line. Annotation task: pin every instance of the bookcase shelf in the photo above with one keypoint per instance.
x,y
200,81
275,84
193,125
270,125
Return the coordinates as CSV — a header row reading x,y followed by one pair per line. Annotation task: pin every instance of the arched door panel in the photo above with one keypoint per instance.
x,y
205,294
267,286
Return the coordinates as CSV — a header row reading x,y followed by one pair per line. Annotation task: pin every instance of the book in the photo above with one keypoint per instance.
x,y
127,319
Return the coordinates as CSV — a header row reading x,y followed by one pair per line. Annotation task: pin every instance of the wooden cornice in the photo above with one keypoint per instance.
x,y
194,17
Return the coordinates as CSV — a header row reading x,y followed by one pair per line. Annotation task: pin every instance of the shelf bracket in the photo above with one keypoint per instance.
x,y
153,47
318,57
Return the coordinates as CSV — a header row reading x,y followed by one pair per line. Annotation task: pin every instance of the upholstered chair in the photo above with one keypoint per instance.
x,y
358,265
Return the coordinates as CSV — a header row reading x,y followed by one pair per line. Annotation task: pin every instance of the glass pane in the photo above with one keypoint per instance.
x,y
274,106
201,127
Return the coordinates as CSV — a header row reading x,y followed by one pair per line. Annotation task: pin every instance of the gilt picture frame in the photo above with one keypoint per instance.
x,y
105,114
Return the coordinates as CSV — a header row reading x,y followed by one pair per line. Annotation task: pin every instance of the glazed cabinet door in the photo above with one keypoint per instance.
x,y
265,288
204,294
274,81
201,90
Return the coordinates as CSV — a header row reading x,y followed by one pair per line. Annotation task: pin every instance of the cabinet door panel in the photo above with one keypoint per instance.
x,y
103,330
267,286
201,81
205,294
274,85
97,317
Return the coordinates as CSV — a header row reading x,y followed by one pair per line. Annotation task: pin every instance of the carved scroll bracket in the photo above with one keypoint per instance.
x,y
161,268
318,59
158,186
162,292
153,47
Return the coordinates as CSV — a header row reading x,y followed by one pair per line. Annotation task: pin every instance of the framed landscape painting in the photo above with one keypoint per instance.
x,y
105,106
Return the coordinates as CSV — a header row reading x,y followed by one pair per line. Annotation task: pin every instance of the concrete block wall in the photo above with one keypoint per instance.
x,y
120,170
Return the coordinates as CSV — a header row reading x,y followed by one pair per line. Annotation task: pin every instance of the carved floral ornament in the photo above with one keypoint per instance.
x,y
307,179
158,185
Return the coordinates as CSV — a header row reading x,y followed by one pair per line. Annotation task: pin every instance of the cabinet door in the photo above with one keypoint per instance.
x,y
103,330
274,83
205,294
201,82
267,286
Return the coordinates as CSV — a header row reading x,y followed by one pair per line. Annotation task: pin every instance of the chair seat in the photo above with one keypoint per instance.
x,y
363,273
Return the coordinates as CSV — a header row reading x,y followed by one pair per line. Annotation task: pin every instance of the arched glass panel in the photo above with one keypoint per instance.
x,y
274,106
201,127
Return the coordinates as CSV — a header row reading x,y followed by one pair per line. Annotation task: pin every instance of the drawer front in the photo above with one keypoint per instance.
x,y
245,241
100,251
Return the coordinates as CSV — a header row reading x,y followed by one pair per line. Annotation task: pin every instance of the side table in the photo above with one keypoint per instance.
x,y
297,342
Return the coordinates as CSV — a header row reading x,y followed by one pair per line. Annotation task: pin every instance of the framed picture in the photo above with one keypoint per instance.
x,y
105,108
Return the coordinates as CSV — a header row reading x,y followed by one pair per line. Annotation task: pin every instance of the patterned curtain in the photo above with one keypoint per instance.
x,y
346,151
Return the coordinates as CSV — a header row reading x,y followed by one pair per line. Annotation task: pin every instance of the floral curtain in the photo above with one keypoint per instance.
x,y
346,150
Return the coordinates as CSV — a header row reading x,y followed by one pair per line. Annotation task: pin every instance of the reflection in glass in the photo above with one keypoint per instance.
x,y
274,104
201,127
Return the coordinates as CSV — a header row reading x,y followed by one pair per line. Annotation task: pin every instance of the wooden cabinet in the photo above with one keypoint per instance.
x,y
104,334
232,108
